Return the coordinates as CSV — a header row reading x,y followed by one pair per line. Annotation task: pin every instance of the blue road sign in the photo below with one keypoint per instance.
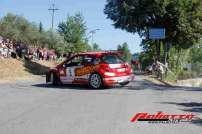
x,y
157,33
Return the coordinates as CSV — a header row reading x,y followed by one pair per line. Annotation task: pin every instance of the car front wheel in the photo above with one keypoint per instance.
x,y
96,81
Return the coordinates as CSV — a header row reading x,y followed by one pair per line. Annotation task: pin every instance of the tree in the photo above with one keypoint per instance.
x,y
181,18
40,27
74,32
126,52
146,59
96,47
19,29
196,53
8,28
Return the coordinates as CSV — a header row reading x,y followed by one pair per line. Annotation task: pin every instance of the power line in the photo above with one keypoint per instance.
x,y
53,9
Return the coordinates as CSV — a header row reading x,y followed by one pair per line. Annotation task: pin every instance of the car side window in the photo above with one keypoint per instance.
x,y
97,61
87,60
112,59
76,61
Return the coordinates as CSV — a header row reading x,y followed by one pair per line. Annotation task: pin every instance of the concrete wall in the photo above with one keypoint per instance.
x,y
190,82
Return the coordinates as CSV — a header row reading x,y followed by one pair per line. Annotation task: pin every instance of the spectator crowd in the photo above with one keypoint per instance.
x,y
9,49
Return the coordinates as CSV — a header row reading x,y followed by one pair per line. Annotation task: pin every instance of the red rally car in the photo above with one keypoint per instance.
x,y
97,69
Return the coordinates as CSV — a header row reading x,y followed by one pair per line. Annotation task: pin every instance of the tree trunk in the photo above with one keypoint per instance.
x,y
165,53
178,58
158,50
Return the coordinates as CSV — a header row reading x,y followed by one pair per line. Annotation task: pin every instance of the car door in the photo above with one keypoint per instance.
x,y
70,67
83,72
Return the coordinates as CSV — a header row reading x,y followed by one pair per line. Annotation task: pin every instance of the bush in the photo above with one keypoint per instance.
x,y
171,77
197,67
182,75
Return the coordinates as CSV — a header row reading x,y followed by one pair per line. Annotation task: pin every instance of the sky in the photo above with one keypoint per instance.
x,y
37,11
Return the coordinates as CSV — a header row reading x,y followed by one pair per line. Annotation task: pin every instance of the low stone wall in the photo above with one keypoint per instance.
x,y
190,82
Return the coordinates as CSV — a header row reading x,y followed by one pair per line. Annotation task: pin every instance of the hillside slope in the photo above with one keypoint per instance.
x,y
13,69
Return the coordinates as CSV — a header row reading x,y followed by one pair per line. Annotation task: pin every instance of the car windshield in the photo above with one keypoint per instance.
x,y
112,59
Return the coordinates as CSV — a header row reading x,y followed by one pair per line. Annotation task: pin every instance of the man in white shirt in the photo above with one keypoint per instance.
x,y
161,69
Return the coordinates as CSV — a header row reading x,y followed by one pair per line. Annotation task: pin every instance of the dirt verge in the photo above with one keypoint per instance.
x,y
13,69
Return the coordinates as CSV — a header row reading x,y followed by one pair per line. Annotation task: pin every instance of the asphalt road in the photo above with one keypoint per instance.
x,y
36,108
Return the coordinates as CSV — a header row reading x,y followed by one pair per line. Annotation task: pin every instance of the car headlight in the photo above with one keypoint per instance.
x,y
109,74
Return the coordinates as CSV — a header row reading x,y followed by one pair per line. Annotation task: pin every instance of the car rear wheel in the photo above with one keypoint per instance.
x,y
95,81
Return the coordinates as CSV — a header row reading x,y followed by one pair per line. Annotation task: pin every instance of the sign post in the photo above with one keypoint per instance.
x,y
158,34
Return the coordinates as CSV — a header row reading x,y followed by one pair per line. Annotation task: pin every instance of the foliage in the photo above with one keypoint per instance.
x,y
146,59
71,36
96,47
178,59
196,53
171,77
40,27
73,30
182,20
186,75
20,30
126,52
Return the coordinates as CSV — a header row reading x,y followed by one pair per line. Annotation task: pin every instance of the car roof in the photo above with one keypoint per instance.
x,y
94,54
98,54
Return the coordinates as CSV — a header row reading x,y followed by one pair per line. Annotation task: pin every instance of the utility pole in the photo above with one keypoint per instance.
x,y
92,32
53,9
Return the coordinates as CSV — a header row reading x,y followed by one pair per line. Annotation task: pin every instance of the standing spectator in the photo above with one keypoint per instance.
x,y
1,50
18,51
35,55
40,54
5,49
161,70
45,54
48,54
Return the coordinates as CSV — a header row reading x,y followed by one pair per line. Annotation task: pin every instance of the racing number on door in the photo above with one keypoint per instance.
x,y
70,72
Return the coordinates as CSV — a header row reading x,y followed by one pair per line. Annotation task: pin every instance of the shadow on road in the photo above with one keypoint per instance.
x,y
135,85
190,107
148,85
68,86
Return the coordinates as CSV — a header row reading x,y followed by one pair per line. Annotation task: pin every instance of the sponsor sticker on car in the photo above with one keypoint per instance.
x,y
85,70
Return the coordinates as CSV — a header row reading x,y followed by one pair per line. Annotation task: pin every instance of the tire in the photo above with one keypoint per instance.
x,y
95,81
54,79
124,83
